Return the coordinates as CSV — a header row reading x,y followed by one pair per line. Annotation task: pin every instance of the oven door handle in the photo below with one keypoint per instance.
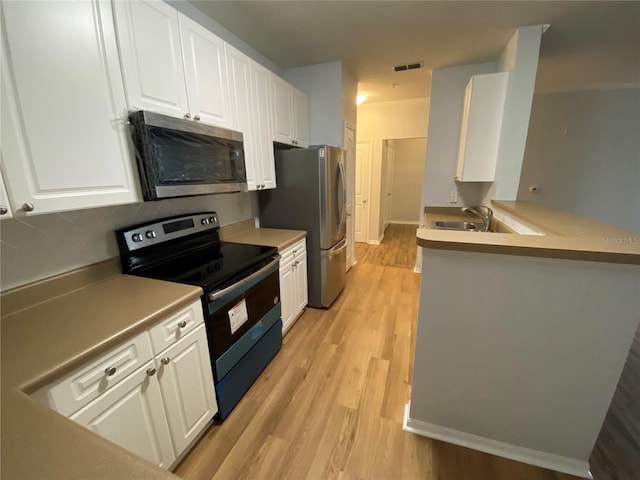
x,y
221,293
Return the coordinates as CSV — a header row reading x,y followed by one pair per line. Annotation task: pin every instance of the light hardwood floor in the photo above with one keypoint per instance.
x,y
330,404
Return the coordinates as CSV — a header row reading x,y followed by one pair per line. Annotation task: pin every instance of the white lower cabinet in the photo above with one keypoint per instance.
x,y
132,416
293,283
158,410
187,388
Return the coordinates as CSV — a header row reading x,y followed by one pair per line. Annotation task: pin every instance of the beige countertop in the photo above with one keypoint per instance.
x,y
245,232
567,236
66,323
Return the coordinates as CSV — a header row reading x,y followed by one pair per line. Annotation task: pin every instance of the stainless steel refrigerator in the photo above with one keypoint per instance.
x,y
311,195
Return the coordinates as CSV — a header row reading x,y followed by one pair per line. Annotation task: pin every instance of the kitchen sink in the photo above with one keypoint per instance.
x,y
456,225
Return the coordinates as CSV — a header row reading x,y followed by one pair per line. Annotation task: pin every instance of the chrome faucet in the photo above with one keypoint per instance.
x,y
486,219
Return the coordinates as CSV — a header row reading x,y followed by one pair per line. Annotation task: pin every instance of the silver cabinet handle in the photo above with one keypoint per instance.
x,y
3,210
151,371
165,360
110,372
182,324
187,115
196,118
28,207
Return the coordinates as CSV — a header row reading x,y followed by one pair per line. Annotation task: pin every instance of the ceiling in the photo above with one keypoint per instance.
x,y
589,45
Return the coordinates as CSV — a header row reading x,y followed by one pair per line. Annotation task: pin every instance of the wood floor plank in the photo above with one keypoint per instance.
x,y
330,404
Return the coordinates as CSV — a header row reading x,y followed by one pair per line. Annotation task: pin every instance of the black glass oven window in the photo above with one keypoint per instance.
x,y
185,158
177,226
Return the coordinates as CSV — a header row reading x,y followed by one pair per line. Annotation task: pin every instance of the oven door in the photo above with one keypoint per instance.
x,y
237,316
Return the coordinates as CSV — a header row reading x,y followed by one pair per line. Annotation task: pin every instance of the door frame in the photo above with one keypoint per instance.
x,y
351,194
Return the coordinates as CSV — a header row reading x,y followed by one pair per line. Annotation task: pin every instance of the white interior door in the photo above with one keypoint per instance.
x,y
362,191
350,146
388,185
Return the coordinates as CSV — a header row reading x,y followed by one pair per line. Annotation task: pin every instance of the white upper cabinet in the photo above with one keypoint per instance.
x,y
481,127
290,113
282,110
151,56
301,117
64,136
262,127
239,79
172,64
205,71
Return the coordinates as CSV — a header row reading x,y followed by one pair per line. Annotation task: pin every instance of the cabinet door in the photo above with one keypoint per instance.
x,y
187,387
300,283
484,101
64,136
131,415
239,79
282,110
262,125
287,295
151,55
301,118
205,73
5,208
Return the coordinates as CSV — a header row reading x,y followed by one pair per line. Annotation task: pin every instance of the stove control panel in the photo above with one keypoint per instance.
x,y
145,235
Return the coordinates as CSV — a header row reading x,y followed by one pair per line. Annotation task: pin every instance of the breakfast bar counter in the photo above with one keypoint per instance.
x,y
561,235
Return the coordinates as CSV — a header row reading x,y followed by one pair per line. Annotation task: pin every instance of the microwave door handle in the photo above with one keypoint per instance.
x,y
221,293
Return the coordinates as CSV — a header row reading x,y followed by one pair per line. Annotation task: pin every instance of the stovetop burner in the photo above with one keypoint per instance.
x,y
213,267
187,249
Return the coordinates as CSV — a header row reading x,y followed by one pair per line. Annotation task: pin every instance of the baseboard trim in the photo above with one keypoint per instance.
x,y
373,242
520,454
417,269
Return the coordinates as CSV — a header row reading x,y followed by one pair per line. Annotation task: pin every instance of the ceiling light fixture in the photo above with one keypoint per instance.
x,y
360,99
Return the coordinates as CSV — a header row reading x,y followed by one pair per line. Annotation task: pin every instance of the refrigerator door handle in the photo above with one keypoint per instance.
x,y
339,247
344,193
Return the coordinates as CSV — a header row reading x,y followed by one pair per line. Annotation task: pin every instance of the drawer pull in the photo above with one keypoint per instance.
x,y
165,360
151,371
110,372
182,324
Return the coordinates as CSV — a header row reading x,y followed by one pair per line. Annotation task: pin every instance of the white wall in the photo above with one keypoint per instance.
x,y
443,137
407,179
323,85
348,95
533,366
520,59
41,246
387,121
583,153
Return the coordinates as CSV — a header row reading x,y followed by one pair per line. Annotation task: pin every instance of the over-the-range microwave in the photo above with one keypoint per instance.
x,y
179,157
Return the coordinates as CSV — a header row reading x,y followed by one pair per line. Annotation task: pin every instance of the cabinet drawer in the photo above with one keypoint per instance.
x,y
169,331
87,383
293,251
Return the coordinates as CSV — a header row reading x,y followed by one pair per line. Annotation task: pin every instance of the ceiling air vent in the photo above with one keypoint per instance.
x,y
408,66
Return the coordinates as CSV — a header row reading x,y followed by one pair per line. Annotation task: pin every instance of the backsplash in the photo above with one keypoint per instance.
x,y
41,246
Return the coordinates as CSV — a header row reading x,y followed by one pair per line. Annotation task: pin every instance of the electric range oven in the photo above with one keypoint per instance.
x,y
241,301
